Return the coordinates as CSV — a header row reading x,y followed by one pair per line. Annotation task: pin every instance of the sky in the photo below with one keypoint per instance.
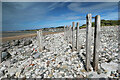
x,y
36,15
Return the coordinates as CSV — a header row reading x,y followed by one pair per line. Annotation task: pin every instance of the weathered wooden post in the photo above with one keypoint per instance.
x,y
67,33
39,36
70,34
73,39
64,32
96,42
77,36
0,57
88,40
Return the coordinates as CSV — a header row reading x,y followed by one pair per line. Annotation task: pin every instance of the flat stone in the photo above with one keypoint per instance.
x,y
90,76
33,75
27,68
66,53
12,71
12,74
38,77
64,66
50,75
36,55
83,70
109,66
3,69
5,55
27,73
36,71
17,74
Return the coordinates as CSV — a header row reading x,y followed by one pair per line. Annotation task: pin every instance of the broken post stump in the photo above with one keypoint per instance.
x,y
96,43
39,36
73,39
77,36
88,40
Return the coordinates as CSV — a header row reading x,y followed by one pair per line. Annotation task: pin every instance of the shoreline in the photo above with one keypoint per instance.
x,y
4,39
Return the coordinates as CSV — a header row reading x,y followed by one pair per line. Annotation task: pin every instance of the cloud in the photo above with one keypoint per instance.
x,y
53,6
60,0
24,12
65,17
27,11
91,7
28,14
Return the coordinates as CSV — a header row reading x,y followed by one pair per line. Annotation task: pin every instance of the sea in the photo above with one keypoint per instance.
x,y
15,33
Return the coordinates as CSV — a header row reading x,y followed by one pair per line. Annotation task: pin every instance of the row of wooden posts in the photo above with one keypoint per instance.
x,y
69,33
69,37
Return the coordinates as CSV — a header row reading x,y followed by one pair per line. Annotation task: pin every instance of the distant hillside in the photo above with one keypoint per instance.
x,y
46,29
105,23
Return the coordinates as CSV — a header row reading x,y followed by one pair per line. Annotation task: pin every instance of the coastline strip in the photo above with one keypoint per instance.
x,y
24,36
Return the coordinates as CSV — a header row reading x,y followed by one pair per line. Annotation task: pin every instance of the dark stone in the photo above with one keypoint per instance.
x,y
5,55
14,61
91,75
15,43
55,54
27,42
83,54
66,49
115,75
60,63
44,48
109,60
5,45
4,49
82,47
99,71
20,46
78,53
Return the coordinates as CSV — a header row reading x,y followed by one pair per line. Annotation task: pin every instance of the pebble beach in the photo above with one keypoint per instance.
x,y
22,59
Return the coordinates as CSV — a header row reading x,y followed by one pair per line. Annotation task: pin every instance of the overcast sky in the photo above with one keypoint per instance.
x,y
35,15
